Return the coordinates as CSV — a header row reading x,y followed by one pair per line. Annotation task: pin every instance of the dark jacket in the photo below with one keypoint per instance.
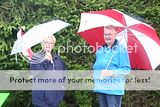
x,y
49,98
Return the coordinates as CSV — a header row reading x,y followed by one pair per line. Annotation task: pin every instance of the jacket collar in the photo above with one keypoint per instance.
x,y
55,56
114,44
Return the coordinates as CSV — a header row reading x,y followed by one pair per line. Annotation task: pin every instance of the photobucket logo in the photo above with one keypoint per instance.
x,y
91,49
39,56
132,49
78,49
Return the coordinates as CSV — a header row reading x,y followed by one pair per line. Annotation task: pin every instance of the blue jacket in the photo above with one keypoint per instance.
x,y
115,59
49,98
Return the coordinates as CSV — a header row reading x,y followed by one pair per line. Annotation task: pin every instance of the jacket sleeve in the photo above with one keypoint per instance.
x,y
123,64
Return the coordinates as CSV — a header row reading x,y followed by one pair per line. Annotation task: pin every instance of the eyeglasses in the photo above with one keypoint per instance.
x,y
108,34
46,42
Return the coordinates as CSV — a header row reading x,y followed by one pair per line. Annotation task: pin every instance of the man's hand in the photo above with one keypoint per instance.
x,y
106,73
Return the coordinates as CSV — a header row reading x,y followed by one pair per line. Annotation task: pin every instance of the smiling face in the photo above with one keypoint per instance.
x,y
109,35
48,44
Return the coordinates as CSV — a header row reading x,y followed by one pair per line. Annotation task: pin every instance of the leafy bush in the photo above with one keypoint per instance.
x,y
15,13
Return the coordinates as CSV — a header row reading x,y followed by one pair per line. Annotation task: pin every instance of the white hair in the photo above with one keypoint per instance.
x,y
52,37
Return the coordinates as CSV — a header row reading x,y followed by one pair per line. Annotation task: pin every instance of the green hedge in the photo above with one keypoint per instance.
x,y
15,13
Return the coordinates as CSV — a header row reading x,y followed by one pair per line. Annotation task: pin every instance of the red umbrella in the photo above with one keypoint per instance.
x,y
140,39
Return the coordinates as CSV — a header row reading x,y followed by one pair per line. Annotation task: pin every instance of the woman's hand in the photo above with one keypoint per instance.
x,y
48,56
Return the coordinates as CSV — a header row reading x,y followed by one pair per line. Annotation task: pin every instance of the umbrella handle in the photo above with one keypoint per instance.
x,y
108,64
110,60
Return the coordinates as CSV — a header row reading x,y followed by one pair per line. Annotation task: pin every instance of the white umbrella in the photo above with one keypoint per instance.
x,y
37,34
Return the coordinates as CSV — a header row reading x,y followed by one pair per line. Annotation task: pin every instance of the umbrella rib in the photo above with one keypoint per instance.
x,y
125,37
134,40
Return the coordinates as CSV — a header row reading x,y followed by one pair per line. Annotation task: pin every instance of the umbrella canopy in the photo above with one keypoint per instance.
x,y
140,39
37,34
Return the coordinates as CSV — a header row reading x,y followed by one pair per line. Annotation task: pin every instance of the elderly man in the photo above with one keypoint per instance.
x,y
111,65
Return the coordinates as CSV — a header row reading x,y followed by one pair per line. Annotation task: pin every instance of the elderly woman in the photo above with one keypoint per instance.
x,y
49,98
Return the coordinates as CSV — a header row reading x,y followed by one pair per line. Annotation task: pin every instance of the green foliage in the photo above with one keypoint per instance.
x,y
17,13
139,98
